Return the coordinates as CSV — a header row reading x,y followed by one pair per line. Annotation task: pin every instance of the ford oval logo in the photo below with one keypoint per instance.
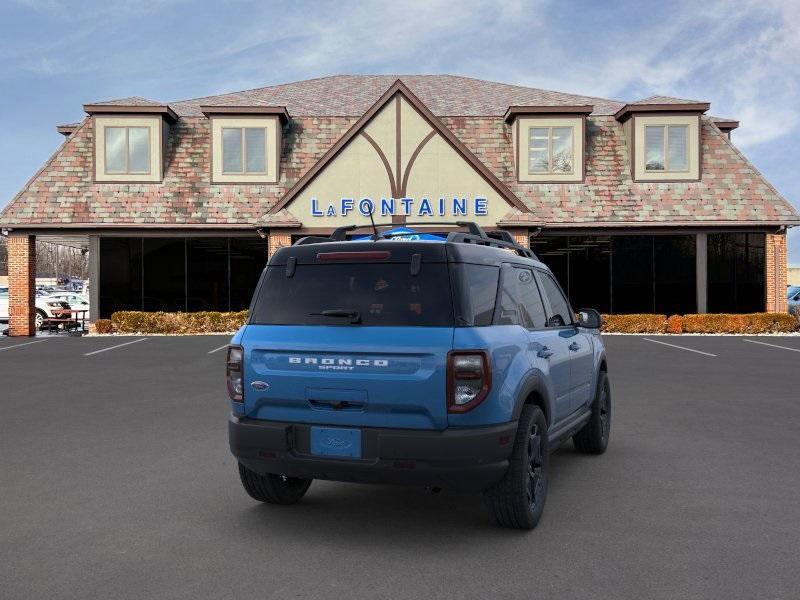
x,y
260,385
338,443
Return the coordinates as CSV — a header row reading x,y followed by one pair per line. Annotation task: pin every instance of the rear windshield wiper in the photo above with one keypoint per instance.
x,y
342,313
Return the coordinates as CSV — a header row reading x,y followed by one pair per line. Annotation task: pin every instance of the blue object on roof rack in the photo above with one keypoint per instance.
x,y
405,233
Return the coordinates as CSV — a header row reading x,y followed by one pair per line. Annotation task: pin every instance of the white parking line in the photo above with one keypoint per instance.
x,y
680,347
772,345
20,345
114,347
218,349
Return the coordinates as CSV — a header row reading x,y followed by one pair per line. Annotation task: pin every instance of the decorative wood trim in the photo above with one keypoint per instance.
x,y
384,160
399,87
412,158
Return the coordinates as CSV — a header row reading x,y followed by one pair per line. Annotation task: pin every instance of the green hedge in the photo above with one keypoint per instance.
x,y
130,321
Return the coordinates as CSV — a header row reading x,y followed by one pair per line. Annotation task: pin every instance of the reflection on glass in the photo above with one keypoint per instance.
x,y
654,148
115,150
231,150
562,149
255,149
538,150
138,150
678,146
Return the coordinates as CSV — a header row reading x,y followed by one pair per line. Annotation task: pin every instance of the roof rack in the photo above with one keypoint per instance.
x,y
474,235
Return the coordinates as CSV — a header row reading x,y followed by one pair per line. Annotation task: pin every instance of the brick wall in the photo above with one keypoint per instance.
x,y
278,238
21,284
776,273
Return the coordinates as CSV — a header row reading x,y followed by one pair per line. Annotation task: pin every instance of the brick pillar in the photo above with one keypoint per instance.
x,y
278,238
776,271
21,284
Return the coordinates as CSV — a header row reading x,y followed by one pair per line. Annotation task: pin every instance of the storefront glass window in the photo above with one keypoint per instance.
x,y
120,274
207,274
623,274
178,274
736,272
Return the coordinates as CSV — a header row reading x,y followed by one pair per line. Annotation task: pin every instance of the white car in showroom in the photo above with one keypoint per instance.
x,y
75,300
47,307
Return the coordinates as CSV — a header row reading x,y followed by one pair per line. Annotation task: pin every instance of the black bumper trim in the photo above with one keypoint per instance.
x,y
456,458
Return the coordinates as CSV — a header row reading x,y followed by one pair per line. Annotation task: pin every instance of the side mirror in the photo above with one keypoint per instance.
x,y
589,318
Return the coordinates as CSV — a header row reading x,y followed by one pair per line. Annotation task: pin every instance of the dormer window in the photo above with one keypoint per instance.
x,y
130,140
548,142
550,150
244,150
666,148
127,150
245,143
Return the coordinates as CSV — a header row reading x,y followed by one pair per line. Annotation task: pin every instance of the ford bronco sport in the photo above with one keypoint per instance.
x,y
452,364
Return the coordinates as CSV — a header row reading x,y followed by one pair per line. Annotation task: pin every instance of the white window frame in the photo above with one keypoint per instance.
x,y
665,148
127,129
243,129
550,170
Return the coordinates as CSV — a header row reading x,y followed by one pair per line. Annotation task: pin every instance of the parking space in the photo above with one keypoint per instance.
x,y
117,482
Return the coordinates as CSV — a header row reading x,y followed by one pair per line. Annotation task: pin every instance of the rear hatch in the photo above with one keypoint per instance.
x,y
355,337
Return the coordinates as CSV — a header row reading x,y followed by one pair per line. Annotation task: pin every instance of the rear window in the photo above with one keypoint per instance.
x,y
383,294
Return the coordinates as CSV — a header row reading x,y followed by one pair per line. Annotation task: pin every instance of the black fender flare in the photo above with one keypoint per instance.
x,y
534,382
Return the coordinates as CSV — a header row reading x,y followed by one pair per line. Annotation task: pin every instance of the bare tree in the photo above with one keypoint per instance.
x,y
52,260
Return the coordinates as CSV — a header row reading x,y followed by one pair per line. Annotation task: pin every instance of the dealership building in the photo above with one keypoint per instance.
x,y
641,206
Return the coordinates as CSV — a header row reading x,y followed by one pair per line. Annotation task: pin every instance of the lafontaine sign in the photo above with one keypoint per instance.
x,y
409,207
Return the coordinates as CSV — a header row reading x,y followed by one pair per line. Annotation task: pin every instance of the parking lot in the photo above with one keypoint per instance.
x,y
117,482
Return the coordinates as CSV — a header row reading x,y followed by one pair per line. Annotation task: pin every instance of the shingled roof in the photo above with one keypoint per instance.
x,y
352,95
731,191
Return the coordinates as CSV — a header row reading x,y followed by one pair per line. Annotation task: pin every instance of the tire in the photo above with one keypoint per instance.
x,y
593,438
39,318
271,488
517,501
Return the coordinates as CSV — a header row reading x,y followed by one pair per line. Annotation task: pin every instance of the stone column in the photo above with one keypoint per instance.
x,y
21,284
278,238
94,277
775,273
701,272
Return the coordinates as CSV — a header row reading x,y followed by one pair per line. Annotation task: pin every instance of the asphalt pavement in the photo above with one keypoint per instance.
x,y
116,482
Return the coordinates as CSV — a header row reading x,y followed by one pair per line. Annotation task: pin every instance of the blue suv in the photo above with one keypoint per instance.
x,y
450,364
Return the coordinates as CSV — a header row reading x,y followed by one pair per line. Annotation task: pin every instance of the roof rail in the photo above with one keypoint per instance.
x,y
474,235
459,237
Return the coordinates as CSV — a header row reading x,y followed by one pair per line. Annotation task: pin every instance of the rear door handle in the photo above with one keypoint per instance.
x,y
545,352
574,347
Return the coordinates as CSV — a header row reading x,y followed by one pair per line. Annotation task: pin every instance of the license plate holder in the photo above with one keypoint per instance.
x,y
336,441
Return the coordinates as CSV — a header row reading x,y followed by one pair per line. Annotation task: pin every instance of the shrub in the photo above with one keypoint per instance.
x,y
103,326
747,323
675,324
163,322
634,323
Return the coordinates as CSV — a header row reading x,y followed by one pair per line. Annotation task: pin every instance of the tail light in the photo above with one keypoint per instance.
x,y
469,379
234,373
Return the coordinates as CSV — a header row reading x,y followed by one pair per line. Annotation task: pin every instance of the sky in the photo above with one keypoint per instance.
x,y
739,55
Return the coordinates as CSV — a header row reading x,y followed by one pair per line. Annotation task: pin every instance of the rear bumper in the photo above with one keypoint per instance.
x,y
459,458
